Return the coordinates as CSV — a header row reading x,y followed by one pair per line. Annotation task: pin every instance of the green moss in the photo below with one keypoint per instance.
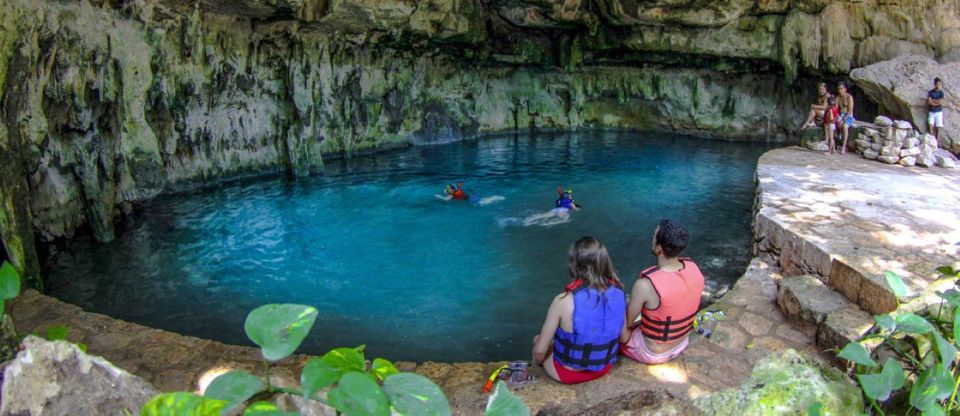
x,y
787,384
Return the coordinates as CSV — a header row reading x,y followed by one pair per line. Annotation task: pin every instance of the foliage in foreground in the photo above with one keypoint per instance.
x,y
927,347
342,379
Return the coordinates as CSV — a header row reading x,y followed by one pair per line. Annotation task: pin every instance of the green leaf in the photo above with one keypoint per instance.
x,y
879,386
279,329
265,409
383,368
182,404
886,322
504,403
934,384
234,387
358,395
935,410
9,281
855,352
316,375
81,346
345,360
948,271
952,296
815,409
948,353
956,327
57,333
913,324
896,284
413,394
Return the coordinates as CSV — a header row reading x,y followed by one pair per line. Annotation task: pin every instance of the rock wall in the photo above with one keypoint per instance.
x,y
108,102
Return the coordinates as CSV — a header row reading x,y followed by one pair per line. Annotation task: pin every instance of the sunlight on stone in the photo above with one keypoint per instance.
x,y
669,372
209,376
695,392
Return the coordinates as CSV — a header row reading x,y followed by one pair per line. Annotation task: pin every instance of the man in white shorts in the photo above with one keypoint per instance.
x,y
935,102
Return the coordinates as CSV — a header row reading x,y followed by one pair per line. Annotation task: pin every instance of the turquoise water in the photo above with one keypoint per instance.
x,y
390,266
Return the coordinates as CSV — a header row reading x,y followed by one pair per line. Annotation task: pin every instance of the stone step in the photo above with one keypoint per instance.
x,y
819,311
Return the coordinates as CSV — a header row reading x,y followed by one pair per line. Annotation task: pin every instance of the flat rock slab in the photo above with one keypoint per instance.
x,y
850,220
753,328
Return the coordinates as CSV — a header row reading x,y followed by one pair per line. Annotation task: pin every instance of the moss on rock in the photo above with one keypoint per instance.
x,y
787,383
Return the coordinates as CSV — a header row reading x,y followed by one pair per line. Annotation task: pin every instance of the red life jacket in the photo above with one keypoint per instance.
x,y
459,194
679,294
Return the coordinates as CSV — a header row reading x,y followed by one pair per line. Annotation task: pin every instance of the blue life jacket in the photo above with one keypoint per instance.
x,y
565,202
597,320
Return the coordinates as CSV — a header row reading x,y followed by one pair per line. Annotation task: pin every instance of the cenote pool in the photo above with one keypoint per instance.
x,y
390,266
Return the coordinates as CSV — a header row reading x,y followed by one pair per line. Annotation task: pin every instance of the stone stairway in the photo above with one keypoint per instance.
x,y
834,224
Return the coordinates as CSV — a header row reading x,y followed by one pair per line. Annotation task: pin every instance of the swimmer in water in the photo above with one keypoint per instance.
x,y
457,193
561,211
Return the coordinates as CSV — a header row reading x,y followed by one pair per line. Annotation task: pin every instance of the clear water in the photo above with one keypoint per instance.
x,y
390,266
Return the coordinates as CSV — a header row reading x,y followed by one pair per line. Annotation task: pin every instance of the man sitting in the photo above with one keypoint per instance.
x,y
665,299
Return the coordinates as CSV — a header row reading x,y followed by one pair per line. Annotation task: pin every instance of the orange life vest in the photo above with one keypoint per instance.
x,y
679,294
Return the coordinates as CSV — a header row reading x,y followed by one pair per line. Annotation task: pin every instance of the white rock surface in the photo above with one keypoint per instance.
x,y
883,121
889,159
908,161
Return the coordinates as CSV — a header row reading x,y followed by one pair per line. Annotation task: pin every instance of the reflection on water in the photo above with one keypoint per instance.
x,y
391,266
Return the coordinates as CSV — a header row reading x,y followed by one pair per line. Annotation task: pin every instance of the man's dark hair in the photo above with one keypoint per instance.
x,y
844,85
936,80
672,237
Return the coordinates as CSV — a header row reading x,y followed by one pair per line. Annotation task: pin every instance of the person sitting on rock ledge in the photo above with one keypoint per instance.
x,y
935,103
816,109
584,322
666,299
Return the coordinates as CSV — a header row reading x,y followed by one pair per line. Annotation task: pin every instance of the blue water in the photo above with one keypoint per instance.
x,y
390,266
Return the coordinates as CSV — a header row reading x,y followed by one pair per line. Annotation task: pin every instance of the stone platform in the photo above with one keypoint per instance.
x,y
752,329
849,220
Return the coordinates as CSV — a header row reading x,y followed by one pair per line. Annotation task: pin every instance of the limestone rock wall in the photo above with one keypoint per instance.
x,y
108,102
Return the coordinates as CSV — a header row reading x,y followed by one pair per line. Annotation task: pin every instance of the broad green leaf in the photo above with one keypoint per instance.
x,y
896,284
893,374
234,387
265,409
956,328
856,353
383,368
815,409
935,410
952,296
279,329
948,271
504,403
948,353
886,322
182,404
316,375
413,394
879,386
934,384
9,282
57,333
358,395
913,324
345,360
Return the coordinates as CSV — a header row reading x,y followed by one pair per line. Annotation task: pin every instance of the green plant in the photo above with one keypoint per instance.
x,y
914,348
354,385
9,284
59,332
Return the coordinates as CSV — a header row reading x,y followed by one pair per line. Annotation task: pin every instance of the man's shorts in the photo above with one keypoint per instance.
x,y
935,119
848,120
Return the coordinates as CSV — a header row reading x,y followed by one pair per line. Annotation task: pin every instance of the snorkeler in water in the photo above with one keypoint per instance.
x,y
457,193
560,213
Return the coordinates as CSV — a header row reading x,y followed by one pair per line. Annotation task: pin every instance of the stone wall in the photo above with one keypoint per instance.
x,y
108,102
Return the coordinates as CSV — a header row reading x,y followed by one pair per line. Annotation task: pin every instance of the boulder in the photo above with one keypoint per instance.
x,y
787,383
876,146
56,378
912,151
883,121
903,125
900,86
870,154
930,140
890,150
907,161
818,146
945,162
889,159
926,161
911,142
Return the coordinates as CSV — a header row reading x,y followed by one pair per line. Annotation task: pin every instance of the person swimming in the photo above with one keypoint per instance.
x,y
456,192
559,214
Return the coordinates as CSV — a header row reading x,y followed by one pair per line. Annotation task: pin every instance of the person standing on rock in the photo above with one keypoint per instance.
x,y
817,108
665,298
935,103
845,120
